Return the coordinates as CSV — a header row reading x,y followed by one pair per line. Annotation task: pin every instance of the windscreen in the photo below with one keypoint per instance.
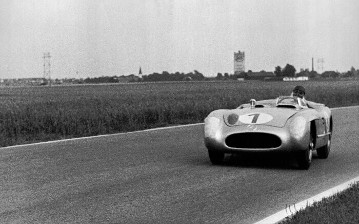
x,y
290,101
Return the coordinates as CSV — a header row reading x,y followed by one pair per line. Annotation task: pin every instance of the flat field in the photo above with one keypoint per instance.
x,y
34,114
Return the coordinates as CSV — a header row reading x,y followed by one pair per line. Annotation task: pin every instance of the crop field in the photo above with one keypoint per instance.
x,y
34,114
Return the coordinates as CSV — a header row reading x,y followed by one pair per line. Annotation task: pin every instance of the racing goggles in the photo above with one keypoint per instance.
x,y
299,92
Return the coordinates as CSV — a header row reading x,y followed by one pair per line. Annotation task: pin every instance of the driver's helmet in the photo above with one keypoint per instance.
x,y
298,91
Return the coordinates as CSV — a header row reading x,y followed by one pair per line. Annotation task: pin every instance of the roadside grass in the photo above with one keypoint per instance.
x,y
35,114
341,208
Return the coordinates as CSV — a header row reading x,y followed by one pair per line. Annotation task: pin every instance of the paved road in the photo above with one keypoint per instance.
x,y
162,176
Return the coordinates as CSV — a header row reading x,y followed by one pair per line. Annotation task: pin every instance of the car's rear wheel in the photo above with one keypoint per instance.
x,y
305,157
324,151
216,157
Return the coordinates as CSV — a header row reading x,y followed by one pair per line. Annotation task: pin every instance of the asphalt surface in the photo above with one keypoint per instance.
x,y
163,176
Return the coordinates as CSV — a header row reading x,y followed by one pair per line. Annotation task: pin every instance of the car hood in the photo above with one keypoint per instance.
x,y
273,116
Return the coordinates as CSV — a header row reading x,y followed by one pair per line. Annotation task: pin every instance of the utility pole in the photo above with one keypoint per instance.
x,y
47,67
312,64
321,64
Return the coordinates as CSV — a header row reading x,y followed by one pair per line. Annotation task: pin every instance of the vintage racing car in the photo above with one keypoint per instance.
x,y
285,124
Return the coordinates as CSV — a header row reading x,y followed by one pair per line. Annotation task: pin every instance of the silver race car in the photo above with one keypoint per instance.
x,y
285,124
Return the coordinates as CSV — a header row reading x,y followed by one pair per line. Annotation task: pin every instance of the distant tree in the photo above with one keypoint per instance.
x,y
219,76
304,72
335,75
239,75
226,76
329,74
245,74
347,74
313,74
177,76
197,76
278,71
165,73
144,78
352,71
152,77
289,71
102,79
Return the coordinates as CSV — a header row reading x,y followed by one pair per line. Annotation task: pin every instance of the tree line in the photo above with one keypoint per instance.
x,y
290,71
279,72
166,76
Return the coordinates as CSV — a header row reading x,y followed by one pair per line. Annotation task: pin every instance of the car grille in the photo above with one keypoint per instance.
x,y
253,140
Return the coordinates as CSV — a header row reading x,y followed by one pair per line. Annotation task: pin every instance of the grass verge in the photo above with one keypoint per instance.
x,y
341,208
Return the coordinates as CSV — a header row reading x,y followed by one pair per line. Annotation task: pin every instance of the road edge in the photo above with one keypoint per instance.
x,y
292,209
99,136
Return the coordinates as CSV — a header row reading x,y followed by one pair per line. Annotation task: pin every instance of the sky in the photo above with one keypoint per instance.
x,y
92,38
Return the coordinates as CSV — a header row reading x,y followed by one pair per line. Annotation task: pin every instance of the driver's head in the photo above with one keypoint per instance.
x,y
298,91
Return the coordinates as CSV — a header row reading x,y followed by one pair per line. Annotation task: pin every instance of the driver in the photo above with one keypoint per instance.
x,y
299,91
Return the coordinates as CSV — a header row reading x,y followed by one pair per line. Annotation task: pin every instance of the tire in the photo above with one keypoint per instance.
x,y
324,151
305,157
216,157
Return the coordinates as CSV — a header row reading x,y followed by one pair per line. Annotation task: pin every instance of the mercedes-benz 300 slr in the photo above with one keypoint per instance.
x,y
286,124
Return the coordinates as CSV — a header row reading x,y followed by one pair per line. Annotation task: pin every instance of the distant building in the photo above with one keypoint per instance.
x,y
299,78
239,62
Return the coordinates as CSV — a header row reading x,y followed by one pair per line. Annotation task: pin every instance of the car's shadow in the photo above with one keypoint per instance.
x,y
262,160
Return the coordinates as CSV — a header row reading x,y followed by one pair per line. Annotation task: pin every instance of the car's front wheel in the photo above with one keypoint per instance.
x,y
216,157
305,157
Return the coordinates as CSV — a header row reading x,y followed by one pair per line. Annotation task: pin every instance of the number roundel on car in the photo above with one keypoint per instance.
x,y
255,118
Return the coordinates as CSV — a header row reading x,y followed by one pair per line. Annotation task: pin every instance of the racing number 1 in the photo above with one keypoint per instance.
x,y
255,117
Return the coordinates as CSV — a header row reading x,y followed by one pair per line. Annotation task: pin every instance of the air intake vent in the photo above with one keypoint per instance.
x,y
253,140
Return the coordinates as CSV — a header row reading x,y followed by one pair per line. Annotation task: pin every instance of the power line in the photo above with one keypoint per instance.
x,y
320,63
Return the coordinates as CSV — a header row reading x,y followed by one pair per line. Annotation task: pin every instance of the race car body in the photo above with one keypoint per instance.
x,y
286,124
